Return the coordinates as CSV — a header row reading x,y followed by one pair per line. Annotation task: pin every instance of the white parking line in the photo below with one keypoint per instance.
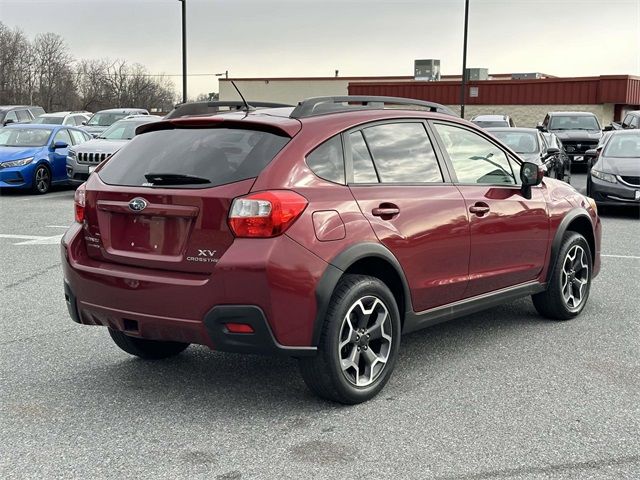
x,y
57,226
621,256
33,239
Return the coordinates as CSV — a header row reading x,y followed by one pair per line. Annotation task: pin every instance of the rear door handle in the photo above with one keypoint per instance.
x,y
385,211
479,209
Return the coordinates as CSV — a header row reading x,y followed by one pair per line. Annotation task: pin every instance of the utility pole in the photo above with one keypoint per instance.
x,y
184,50
463,86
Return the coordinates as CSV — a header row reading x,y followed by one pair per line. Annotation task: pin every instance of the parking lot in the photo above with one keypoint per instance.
x,y
499,395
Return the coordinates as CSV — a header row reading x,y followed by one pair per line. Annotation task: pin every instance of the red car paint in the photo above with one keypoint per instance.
x,y
122,266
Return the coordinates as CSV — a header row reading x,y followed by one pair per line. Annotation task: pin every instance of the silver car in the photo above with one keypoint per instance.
x,y
83,159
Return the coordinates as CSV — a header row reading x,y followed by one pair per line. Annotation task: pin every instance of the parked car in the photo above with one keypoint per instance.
x,y
103,119
34,156
82,160
631,121
319,232
192,109
72,119
614,173
578,132
487,121
530,145
19,114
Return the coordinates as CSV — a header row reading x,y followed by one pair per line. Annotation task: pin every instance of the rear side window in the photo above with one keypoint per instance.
x,y
363,169
23,115
402,153
215,156
327,160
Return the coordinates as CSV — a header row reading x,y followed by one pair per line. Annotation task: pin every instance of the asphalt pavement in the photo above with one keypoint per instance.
x,y
502,394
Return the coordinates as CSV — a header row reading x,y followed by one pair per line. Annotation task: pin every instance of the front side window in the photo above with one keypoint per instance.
x,y
475,159
327,160
402,153
62,136
23,115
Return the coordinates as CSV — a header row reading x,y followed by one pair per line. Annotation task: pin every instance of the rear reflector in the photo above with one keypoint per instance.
x,y
239,327
265,214
78,200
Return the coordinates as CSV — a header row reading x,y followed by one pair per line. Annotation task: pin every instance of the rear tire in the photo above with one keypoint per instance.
x,y
147,349
359,342
570,281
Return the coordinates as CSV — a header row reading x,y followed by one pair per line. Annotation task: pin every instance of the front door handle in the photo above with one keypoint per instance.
x,y
385,211
479,209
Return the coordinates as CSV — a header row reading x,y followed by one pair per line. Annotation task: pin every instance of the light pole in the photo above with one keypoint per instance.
x,y
463,86
184,50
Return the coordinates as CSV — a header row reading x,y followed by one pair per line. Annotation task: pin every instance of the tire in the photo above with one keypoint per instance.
x,y
359,346
570,281
41,180
147,349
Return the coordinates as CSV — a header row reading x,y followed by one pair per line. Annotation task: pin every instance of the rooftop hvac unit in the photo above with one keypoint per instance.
x,y
477,74
427,70
526,76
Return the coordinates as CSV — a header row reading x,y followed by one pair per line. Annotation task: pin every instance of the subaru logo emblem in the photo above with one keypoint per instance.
x,y
138,204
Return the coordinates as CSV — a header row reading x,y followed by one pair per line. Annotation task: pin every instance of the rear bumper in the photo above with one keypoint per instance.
x,y
269,285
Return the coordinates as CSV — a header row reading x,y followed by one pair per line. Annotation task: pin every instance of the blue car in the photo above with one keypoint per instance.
x,y
35,156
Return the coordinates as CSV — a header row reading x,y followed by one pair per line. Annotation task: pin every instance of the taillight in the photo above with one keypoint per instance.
x,y
265,214
78,200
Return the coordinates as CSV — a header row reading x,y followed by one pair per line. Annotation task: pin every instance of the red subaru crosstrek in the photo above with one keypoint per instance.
x,y
322,232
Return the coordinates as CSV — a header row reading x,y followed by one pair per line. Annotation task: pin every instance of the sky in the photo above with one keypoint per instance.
x,y
272,38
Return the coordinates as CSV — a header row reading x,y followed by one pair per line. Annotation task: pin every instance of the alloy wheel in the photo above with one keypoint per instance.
x,y
575,277
365,341
42,179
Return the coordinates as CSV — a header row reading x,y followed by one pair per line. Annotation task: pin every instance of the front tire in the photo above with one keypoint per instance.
x,y
570,281
359,342
41,180
147,349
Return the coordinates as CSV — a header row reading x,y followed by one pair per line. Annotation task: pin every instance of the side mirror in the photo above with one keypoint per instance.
x,y
58,145
541,127
551,151
8,121
593,153
84,122
608,128
531,175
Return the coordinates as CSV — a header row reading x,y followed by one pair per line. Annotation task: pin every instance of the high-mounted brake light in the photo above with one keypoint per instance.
x,y
78,200
265,214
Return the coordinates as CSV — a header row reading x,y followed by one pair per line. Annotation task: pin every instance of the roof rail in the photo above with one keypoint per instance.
x,y
325,105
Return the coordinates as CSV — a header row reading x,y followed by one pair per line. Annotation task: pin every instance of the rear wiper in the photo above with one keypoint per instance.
x,y
174,179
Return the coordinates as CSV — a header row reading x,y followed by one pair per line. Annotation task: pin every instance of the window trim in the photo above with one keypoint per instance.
x,y
446,178
491,140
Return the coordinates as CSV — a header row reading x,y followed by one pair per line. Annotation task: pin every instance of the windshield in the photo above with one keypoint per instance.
x,y
519,142
48,120
623,146
574,122
105,119
215,155
491,123
122,130
24,137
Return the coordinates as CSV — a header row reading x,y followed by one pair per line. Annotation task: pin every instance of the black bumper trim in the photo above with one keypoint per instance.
x,y
70,300
260,342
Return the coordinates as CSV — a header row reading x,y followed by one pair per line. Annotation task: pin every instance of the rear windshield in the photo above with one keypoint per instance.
x,y
212,156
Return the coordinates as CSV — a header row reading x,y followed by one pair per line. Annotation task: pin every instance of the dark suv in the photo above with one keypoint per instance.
x,y
321,232
578,132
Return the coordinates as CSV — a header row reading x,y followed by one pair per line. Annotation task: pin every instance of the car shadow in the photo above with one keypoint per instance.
x,y
619,211
21,192
200,376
